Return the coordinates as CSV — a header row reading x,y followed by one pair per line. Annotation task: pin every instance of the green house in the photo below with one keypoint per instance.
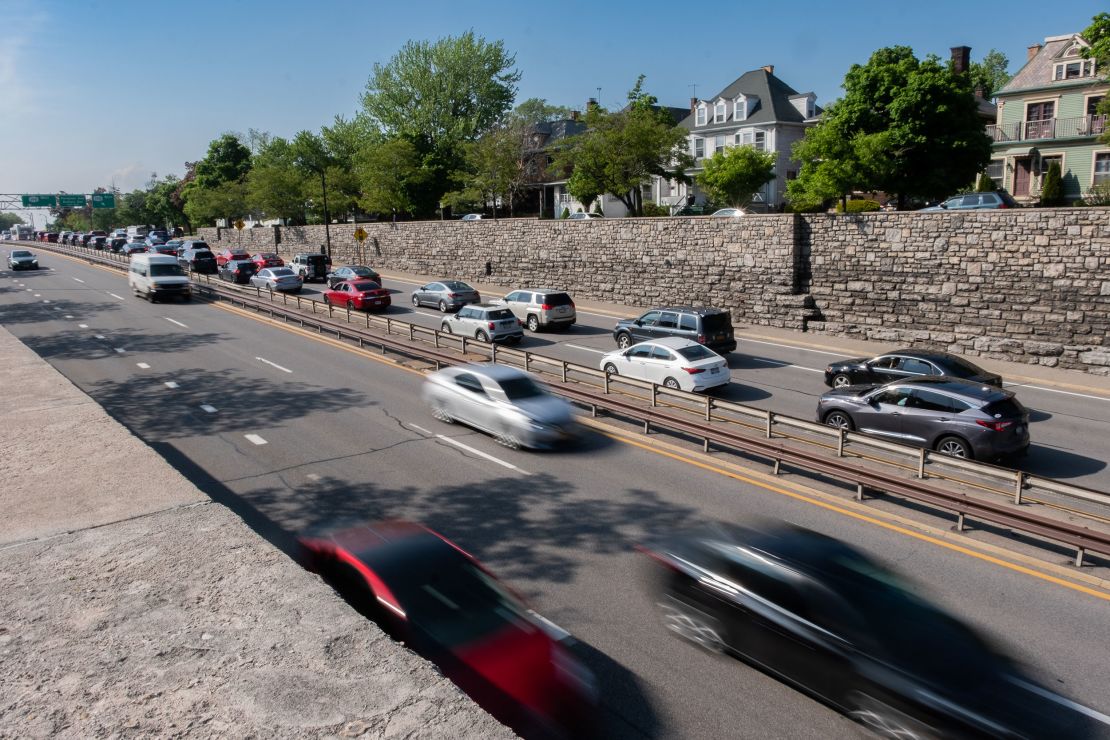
x,y
1046,113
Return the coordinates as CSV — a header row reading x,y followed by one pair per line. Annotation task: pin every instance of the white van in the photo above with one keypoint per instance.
x,y
158,276
139,231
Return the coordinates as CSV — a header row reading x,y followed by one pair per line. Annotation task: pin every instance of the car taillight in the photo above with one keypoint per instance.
x,y
452,295
545,306
701,339
694,370
491,324
1003,206
994,426
519,322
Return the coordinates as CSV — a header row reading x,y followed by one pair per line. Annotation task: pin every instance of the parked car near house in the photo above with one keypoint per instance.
x,y
446,295
730,213
976,201
472,217
581,216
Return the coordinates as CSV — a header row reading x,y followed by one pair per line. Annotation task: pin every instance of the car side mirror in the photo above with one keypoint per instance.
x,y
637,322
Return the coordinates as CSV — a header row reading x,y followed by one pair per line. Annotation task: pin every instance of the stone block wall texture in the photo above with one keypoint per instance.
x,y
1029,285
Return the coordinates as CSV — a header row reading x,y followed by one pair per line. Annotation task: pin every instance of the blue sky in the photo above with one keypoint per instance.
x,y
96,91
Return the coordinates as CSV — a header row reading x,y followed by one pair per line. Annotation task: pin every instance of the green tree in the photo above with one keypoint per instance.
x,y
618,152
904,126
1098,36
537,110
275,186
391,175
1052,189
991,74
494,166
227,160
8,220
985,184
204,206
734,175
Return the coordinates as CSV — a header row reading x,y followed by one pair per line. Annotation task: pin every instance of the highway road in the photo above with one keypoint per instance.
x,y
294,432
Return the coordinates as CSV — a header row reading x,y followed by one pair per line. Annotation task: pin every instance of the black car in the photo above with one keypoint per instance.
x,y
98,242
905,363
198,259
822,616
238,271
117,243
709,326
352,272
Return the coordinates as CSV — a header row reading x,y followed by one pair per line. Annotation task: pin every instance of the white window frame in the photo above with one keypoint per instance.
x,y
1086,69
720,112
740,109
698,144
700,115
1094,163
1001,173
719,143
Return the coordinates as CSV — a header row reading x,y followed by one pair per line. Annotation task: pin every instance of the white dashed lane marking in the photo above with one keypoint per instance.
x,y
79,280
175,321
481,454
588,349
255,439
273,364
170,384
121,350
116,296
143,365
208,408
100,336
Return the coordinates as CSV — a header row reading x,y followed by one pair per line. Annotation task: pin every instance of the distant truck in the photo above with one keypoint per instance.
x,y
139,231
23,232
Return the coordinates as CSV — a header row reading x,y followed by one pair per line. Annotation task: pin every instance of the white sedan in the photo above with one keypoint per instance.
x,y
672,362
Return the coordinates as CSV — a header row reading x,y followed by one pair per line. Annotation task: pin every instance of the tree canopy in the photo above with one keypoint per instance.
x,y
734,175
991,74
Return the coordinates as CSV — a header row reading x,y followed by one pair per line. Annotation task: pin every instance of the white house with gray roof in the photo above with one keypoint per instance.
x,y
757,109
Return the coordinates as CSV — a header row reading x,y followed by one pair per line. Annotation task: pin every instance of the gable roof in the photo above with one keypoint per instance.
x,y
773,94
1037,72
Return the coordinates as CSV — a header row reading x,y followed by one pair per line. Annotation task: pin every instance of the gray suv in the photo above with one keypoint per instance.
x,y
709,326
541,309
485,322
976,201
955,417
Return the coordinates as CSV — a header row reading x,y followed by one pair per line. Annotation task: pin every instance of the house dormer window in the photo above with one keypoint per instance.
x,y
740,109
720,112
699,115
1074,70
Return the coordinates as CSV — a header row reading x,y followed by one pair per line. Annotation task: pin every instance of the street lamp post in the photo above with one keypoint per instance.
x,y
327,227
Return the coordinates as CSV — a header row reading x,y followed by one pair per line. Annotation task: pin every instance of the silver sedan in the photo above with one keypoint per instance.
x,y
280,279
503,401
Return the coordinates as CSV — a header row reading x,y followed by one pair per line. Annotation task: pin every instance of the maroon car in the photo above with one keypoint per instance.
x,y
444,604
232,255
267,259
361,295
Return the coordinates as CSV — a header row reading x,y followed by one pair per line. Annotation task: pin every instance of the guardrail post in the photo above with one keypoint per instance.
x,y
331,311
708,410
921,462
493,355
464,346
1079,557
840,442
435,335
284,299
1020,483
564,371
528,362
606,383
654,396
960,522
770,424
859,492
647,427
313,304
388,325
412,332
348,315
778,465
367,321
705,444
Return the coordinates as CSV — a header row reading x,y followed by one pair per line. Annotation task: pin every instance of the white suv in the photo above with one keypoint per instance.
x,y
541,309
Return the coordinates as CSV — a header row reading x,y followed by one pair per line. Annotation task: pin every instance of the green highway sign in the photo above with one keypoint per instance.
x,y
40,201
71,201
103,200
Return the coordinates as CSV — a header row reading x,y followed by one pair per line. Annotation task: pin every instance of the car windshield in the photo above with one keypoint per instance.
x,y
364,287
165,270
517,389
268,256
204,254
20,253
503,313
456,285
696,352
200,245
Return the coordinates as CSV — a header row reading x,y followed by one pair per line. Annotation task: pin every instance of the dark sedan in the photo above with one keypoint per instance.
x,y
446,606
238,271
955,417
827,619
905,363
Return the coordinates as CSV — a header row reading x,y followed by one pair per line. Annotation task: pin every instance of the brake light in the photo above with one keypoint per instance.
x,y
545,306
701,339
519,322
452,295
994,426
491,324
694,370
1003,206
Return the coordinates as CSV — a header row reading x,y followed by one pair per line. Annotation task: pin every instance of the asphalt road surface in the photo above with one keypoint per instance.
x,y
296,432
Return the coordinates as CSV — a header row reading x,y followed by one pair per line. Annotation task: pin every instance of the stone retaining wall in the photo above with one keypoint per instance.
x,y
1026,285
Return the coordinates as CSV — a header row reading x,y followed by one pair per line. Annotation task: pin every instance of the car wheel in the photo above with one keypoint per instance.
x,y
671,383
624,341
884,720
955,447
610,368
327,301
840,420
350,305
415,300
507,438
481,336
692,624
533,323
443,306
445,328
439,411
841,380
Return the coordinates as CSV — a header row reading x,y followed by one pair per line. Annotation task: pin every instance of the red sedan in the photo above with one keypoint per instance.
x,y
229,255
363,295
267,259
443,603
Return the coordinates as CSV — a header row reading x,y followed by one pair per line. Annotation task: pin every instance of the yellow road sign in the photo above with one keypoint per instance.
x,y
360,234
239,224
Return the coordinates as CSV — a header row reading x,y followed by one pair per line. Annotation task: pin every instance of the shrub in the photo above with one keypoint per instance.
x,y
566,213
985,184
1099,195
1052,189
860,206
651,209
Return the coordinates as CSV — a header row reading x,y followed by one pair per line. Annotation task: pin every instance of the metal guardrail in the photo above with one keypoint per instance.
x,y
777,446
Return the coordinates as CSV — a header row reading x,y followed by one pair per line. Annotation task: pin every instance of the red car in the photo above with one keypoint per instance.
x,y
267,259
363,295
222,258
443,603
52,237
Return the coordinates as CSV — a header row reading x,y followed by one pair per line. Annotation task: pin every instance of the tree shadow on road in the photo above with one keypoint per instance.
x,y
83,344
39,312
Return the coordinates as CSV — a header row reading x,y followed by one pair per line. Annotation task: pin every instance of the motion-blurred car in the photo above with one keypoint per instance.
x,y
352,272
905,363
173,246
131,248
267,259
672,362
485,322
500,400
448,607
955,417
541,308
232,255
277,279
237,271
822,616
361,295
23,259
446,295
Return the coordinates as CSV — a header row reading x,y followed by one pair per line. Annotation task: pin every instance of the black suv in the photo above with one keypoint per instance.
x,y
824,617
197,257
709,326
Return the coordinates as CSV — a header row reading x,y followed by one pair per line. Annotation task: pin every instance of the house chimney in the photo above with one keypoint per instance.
x,y
1032,52
574,115
769,68
591,104
978,92
693,104
961,59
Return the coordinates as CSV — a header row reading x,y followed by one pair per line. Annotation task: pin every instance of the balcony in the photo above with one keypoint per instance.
x,y
1052,128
